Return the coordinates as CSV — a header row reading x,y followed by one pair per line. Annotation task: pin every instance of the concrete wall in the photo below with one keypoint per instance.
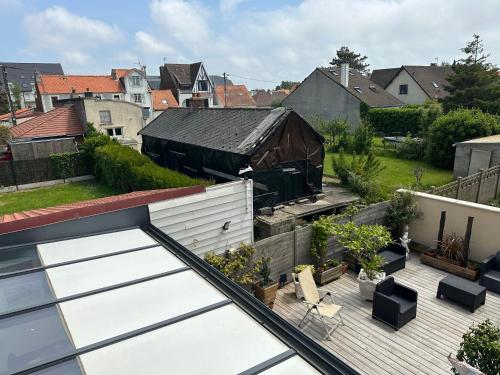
x,y
196,221
320,96
463,152
485,238
47,99
126,115
415,93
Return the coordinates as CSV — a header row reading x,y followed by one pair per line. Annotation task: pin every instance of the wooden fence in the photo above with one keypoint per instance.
x,y
480,187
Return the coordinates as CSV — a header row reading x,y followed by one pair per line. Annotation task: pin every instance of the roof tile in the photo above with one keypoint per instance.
x,y
64,84
236,96
163,99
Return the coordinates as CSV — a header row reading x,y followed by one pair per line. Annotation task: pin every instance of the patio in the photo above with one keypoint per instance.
x,y
420,347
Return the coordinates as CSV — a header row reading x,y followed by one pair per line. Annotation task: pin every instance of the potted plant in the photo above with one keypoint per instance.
x,y
452,249
362,243
266,289
298,269
326,270
402,211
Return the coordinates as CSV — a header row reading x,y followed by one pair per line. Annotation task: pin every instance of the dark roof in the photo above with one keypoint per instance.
x,y
383,77
23,74
428,77
154,82
364,89
265,98
219,80
185,74
224,129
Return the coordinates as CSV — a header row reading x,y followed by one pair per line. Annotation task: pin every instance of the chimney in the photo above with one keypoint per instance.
x,y
344,74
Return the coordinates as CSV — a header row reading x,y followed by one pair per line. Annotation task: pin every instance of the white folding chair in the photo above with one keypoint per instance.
x,y
316,306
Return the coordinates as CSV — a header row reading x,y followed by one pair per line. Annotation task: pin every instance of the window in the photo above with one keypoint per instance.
x,y
435,85
115,132
135,80
137,98
105,117
358,89
203,85
116,97
403,89
54,99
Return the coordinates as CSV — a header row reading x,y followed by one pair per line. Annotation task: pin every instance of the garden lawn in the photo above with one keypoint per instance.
x,y
52,196
398,173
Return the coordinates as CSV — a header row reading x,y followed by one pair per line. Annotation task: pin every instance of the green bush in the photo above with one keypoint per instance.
x,y
126,170
69,164
91,143
367,167
411,149
363,138
480,348
457,126
370,191
402,120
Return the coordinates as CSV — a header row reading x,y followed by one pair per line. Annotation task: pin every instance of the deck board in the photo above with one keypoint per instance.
x,y
370,346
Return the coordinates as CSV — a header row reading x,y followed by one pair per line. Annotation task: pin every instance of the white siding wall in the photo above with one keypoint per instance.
x,y
196,221
415,93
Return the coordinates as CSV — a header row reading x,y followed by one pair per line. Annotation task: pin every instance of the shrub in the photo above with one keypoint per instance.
x,y
480,348
457,126
366,189
403,209
321,230
363,138
68,164
367,167
335,131
127,170
402,120
411,149
91,143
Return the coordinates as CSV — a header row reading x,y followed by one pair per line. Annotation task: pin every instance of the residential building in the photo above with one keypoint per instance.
x,y
269,98
154,82
119,119
414,84
277,148
476,154
23,76
219,80
234,96
338,92
162,100
136,88
189,83
22,115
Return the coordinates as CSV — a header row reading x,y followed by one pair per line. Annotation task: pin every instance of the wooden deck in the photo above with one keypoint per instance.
x,y
420,347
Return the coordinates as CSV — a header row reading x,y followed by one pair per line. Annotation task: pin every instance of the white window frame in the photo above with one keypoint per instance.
x,y
135,81
113,130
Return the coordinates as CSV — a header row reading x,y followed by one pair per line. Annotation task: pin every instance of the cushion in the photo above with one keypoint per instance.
x,y
403,302
390,256
493,275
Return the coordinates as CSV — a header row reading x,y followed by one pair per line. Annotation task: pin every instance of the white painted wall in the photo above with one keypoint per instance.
x,y
196,221
142,89
485,239
415,93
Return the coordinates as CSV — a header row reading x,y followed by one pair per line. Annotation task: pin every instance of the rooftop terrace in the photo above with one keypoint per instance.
x,y
371,347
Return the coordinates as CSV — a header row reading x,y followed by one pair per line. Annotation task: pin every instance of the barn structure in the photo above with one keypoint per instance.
x,y
277,148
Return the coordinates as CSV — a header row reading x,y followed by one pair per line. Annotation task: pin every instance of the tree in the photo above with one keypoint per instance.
x,y
4,102
4,135
287,85
475,83
16,93
355,61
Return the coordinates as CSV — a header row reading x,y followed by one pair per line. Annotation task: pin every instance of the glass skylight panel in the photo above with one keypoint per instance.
x,y
23,291
18,258
105,315
221,341
84,247
30,339
103,272
435,85
295,365
66,368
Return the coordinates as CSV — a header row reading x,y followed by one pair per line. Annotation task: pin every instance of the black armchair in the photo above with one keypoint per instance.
x,y
490,273
393,303
395,257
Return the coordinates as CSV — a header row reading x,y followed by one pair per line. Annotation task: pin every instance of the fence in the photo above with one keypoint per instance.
x,y
292,248
480,187
20,172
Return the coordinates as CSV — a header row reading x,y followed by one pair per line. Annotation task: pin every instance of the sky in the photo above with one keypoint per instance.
x,y
257,42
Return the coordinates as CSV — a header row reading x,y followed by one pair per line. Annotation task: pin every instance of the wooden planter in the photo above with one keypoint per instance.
x,y
330,274
450,267
267,295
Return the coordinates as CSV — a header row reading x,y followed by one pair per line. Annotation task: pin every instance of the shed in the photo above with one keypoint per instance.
x,y
284,153
41,148
471,156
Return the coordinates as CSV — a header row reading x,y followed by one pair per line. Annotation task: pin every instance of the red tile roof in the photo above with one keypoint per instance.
x,y
21,113
236,96
64,84
63,121
120,73
163,99
43,216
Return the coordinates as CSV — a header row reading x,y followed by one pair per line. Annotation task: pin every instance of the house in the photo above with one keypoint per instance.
x,y
335,92
414,84
136,88
277,148
189,83
476,154
119,119
154,82
23,76
219,80
234,96
269,98
162,100
22,115
63,122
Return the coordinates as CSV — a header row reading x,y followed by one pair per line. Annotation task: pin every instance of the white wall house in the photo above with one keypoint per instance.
x,y
136,88
197,221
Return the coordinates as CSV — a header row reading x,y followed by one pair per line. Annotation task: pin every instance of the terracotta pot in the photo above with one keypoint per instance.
x,y
344,267
266,294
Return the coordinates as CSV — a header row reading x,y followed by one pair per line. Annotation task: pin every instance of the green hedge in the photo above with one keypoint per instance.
x,y
70,164
396,120
126,170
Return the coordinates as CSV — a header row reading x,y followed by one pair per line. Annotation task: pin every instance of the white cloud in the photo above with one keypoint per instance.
x,y
228,6
149,44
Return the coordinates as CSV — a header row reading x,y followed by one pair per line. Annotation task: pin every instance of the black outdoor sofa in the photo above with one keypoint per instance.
x,y
490,273
394,303
394,256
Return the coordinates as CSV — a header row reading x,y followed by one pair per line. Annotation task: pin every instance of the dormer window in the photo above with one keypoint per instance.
x,y
135,80
202,85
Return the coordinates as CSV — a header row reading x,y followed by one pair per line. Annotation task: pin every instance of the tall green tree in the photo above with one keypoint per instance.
x,y
355,60
16,93
475,83
287,85
4,102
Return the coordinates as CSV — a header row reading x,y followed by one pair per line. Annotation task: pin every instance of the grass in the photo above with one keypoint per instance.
x,y
52,196
398,172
